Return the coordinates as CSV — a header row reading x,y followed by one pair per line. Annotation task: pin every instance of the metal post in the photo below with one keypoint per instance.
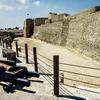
x,y
10,45
26,52
35,59
0,41
56,75
3,43
16,43
6,44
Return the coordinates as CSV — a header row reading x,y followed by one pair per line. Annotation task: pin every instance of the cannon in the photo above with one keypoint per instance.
x,y
14,75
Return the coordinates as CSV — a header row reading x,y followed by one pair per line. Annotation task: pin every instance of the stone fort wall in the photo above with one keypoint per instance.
x,y
40,21
81,32
28,27
50,32
54,17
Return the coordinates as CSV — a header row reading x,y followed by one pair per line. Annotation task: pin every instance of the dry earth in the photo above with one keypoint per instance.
x,y
40,88
44,91
69,57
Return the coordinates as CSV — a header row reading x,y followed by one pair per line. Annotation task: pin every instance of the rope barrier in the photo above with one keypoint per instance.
x,y
44,57
80,74
82,89
64,90
45,63
61,88
79,66
69,72
45,68
66,63
81,81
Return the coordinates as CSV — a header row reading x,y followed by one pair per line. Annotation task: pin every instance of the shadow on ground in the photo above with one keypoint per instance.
x,y
72,97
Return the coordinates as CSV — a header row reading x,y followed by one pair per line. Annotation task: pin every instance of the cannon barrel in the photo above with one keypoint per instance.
x,y
8,87
33,74
23,82
8,62
27,73
11,77
7,76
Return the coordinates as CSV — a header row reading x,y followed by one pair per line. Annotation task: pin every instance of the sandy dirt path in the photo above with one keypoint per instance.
x,y
67,57
92,68
40,88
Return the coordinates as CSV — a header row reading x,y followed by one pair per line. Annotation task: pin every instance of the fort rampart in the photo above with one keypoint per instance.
x,y
80,32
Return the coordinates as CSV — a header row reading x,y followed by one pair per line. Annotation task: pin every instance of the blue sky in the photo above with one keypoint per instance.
x,y
14,12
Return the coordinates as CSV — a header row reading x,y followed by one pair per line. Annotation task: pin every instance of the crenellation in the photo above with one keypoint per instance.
x,y
40,21
54,17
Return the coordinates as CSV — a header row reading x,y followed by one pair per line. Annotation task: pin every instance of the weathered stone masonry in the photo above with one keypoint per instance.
x,y
28,27
80,32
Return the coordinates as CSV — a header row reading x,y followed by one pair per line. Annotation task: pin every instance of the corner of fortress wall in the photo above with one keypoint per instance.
x,y
28,27
80,32
84,32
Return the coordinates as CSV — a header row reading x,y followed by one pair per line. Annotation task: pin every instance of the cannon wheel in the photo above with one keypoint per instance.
x,y
8,87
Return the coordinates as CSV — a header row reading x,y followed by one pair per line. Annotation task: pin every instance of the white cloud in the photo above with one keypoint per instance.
x,y
6,7
23,1
36,3
22,7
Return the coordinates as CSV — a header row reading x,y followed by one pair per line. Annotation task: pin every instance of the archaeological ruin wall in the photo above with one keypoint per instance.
x,y
28,27
54,17
50,32
81,32
84,34
40,21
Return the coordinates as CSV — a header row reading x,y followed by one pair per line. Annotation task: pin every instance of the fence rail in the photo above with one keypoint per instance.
x,y
45,57
40,62
66,64
80,74
87,90
45,63
81,81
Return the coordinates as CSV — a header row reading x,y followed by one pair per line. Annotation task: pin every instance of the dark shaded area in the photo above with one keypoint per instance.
x,y
39,81
18,61
28,91
20,88
8,62
46,74
72,97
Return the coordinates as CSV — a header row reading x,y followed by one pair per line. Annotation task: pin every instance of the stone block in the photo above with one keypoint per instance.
x,y
9,53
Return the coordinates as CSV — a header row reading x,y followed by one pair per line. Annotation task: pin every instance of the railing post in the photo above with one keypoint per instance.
x,y
3,43
10,45
6,44
56,75
26,52
0,42
35,59
16,43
